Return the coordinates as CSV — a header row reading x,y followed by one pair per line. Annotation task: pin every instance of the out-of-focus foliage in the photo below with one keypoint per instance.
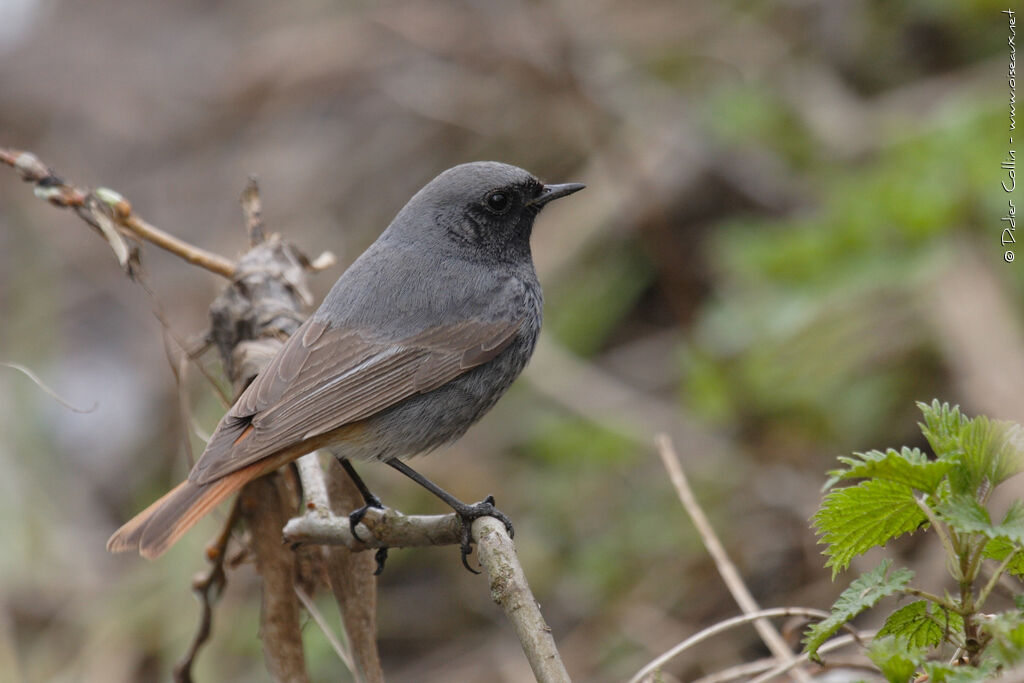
x,y
790,233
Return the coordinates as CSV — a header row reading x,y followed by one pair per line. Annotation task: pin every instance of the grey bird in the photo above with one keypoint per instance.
x,y
414,343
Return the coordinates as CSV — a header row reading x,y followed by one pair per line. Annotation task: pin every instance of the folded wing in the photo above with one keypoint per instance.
x,y
324,378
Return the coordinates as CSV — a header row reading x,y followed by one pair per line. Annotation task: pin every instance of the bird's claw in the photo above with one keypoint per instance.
x,y
468,514
356,517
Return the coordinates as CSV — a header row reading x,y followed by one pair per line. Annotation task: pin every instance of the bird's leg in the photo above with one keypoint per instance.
x,y
466,512
370,501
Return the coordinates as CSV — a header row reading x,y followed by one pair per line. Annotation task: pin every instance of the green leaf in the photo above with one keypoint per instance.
x,y
942,427
939,672
998,548
965,514
922,624
1007,632
907,466
855,519
993,452
863,593
896,658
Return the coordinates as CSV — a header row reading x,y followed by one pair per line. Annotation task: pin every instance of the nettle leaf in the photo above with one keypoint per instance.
x,y
1007,632
939,672
965,514
942,427
907,466
896,658
998,548
993,452
922,624
863,593
857,518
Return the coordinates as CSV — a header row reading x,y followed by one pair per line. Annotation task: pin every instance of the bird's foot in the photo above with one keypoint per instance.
x,y
356,517
468,514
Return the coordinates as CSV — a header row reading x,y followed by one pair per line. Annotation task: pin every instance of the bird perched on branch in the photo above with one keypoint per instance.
x,y
414,343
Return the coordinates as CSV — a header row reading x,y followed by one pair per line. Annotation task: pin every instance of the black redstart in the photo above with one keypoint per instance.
x,y
413,344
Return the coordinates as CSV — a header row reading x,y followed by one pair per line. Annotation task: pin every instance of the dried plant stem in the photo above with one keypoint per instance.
x,y
771,637
51,187
721,626
834,644
207,587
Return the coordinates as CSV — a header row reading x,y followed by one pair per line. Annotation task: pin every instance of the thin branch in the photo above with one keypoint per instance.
x,y
983,595
207,588
834,644
947,544
264,510
754,616
771,637
379,529
52,188
252,210
339,648
931,597
47,390
353,582
497,555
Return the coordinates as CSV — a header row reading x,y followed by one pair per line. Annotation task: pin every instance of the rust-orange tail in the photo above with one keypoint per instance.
x,y
159,526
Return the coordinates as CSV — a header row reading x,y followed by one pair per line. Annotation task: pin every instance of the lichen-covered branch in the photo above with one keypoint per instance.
x,y
509,589
379,529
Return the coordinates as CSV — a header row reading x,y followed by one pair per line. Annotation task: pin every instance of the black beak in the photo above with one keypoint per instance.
x,y
552,192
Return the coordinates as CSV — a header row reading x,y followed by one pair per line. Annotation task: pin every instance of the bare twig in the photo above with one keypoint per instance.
x,y
379,529
252,209
352,579
509,589
47,390
351,576
771,637
51,187
265,513
339,648
207,588
754,616
834,644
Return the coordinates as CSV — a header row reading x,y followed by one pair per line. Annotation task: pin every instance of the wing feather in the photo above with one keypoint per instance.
x,y
324,378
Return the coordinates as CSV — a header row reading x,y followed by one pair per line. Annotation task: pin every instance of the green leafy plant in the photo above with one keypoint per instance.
x,y
902,491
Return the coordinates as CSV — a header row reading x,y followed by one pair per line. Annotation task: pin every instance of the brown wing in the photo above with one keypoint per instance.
x,y
324,378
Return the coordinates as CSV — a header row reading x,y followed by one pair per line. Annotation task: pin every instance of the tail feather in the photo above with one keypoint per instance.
x,y
159,526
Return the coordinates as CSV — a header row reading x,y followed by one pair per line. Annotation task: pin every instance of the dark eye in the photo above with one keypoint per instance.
x,y
498,201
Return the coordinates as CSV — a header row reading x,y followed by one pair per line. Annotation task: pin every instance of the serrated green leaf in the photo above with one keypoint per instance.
x,y
896,658
922,624
863,593
855,519
1012,526
942,426
993,451
965,514
939,672
907,466
998,548
1007,633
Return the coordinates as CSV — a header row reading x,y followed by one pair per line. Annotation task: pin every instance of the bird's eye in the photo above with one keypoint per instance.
x,y
498,201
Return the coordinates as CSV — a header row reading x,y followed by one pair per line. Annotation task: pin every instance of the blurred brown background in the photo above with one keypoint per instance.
x,y
790,234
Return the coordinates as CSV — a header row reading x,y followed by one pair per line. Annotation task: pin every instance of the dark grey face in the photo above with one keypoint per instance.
x,y
500,220
487,206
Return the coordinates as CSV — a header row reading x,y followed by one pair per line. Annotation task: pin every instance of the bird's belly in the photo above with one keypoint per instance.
x,y
426,421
